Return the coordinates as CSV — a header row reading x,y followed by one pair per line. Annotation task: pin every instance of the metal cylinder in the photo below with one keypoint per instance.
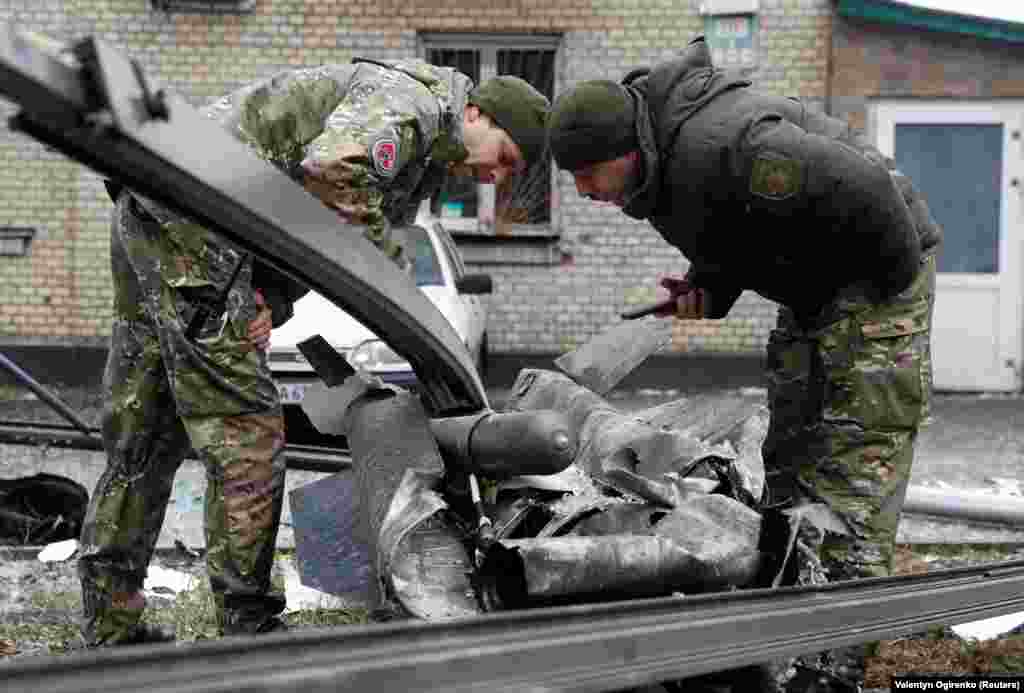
x,y
532,572
507,444
962,505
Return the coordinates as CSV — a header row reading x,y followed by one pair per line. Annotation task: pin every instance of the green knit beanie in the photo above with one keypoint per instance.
x,y
518,109
592,122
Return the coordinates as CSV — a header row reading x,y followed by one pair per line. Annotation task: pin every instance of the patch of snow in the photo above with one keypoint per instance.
x,y
989,627
301,597
1004,10
167,579
58,551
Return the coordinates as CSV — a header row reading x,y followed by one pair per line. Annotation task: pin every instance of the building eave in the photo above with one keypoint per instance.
x,y
886,12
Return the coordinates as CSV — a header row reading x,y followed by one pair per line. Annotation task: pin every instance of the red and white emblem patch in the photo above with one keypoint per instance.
x,y
384,154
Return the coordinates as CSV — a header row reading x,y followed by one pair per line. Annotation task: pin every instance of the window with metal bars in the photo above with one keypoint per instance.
x,y
205,6
525,203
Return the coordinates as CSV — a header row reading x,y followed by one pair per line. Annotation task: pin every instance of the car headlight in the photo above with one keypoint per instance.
x,y
374,355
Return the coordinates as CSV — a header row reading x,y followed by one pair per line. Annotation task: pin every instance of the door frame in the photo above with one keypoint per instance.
x,y
885,114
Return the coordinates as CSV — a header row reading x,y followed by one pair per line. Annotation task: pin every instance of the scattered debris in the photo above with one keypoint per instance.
x,y
41,508
652,502
58,551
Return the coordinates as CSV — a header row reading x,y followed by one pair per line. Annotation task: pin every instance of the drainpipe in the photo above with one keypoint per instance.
x,y
982,507
830,60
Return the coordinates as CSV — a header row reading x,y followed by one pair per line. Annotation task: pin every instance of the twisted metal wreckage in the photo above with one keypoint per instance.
x,y
604,505
581,502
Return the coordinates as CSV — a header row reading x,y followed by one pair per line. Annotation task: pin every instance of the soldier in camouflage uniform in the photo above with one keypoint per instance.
x,y
368,139
761,193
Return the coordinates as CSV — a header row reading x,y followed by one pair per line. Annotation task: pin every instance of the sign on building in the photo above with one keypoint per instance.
x,y
730,29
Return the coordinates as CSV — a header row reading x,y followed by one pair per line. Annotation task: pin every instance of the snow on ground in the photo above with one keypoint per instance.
x,y
989,627
1005,10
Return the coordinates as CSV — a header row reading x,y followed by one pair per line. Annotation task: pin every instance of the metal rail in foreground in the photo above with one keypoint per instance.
x,y
580,648
307,458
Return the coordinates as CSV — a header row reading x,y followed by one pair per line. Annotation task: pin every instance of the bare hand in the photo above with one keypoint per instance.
x,y
259,328
691,303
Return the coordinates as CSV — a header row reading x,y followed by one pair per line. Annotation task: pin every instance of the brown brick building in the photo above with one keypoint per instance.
x,y
557,282
559,278
944,95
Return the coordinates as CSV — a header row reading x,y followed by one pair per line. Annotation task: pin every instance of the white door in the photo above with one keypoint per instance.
x,y
966,157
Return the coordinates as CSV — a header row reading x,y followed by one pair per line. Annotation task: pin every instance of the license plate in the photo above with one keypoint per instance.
x,y
291,393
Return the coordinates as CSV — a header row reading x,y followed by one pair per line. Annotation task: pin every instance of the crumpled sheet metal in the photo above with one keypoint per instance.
x,y
628,550
424,553
397,468
327,406
635,452
636,513
528,572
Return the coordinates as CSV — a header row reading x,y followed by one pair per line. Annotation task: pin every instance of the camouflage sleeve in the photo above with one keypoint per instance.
x,y
349,181
365,144
791,172
280,115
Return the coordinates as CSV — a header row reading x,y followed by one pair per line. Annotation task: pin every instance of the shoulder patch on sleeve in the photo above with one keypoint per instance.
x,y
384,153
776,178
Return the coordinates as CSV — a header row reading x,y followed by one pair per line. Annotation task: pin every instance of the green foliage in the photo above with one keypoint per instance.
x,y
327,617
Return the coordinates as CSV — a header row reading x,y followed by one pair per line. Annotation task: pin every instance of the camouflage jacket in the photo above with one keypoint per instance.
x,y
381,137
760,192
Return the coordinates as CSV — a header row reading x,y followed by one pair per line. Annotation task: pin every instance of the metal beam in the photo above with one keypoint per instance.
x,y
105,116
307,458
580,648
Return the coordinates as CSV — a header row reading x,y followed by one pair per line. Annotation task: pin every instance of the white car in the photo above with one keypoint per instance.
x,y
438,271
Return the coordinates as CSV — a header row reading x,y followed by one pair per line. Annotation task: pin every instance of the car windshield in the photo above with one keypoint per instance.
x,y
426,267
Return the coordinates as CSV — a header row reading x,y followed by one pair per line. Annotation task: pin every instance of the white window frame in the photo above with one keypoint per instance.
x,y
1006,284
887,113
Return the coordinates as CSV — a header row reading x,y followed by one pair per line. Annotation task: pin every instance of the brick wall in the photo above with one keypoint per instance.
x,y
873,60
61,292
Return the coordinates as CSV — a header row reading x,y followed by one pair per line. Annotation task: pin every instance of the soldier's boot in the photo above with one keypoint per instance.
x,y
114,618
252,615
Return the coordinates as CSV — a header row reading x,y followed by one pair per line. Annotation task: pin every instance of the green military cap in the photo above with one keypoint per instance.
x,y
518,109
593,121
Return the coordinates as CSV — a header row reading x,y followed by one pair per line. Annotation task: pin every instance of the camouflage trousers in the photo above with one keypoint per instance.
x,y
847,394
164,395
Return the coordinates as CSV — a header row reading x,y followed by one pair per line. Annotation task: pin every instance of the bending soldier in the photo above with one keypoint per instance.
x,y
759,192
370,140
